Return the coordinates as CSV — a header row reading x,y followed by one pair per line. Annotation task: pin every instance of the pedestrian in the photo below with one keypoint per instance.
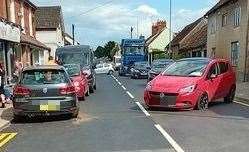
x,y
2,78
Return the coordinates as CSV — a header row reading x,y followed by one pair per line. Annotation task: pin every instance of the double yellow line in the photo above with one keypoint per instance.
x,y
6,137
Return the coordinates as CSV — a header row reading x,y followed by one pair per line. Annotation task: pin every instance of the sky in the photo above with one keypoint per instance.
x,y
99,21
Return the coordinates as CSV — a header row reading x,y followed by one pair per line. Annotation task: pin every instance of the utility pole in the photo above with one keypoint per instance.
x,y
73,33
170,28
137,28
131,32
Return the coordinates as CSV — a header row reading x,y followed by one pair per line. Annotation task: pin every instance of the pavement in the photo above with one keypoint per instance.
x,y
242,92
115,119
5,116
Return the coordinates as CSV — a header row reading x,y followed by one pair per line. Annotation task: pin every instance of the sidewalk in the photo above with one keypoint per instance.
x,y
5,116
242,92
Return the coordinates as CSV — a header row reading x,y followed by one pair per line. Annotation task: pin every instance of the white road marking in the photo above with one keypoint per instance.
x,y
143,109
123,87
241,103
119,83
169,138
130,94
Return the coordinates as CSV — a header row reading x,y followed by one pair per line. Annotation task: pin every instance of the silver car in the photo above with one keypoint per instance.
x,y
44,91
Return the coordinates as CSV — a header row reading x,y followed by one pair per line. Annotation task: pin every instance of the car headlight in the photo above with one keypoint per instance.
x,y
149,86
188,89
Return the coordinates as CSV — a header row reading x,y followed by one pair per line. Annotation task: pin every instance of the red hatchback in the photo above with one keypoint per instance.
x,y
192,83
79,80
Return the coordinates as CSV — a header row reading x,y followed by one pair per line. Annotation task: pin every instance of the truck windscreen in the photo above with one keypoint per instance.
x,y
134,50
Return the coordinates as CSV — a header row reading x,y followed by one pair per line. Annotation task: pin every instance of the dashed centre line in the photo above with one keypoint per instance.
x,y
169,138
143,109
130,94
124,87
241,103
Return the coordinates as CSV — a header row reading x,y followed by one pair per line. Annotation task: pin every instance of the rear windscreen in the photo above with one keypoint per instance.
x,y
40,77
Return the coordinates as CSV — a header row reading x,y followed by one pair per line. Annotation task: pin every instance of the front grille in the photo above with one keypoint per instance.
x,y
165,99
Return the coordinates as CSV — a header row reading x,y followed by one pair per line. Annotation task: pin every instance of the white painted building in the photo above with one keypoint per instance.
x,y
50,28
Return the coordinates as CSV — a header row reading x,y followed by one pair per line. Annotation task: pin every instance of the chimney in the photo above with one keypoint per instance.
x,y
158,26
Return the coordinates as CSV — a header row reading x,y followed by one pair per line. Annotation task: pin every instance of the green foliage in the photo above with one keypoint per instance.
x,y
109,50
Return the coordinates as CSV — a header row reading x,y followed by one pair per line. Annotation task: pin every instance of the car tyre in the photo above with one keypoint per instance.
x,y
231,95
18,118
91,89
202,103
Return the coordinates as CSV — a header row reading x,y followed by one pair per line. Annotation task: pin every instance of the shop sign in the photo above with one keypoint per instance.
x,y
9,33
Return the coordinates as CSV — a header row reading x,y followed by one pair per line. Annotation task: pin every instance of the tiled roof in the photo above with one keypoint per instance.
x,y
198,38
178,38
220,4
49,17
26,39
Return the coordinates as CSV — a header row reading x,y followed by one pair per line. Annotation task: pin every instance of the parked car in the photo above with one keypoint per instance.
x,y
82,55
192,83
105,68
79,80
157,67
43,91
140,70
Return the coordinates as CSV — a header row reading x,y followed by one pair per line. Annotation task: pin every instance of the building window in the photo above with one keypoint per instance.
x,y
237,16
224,20
213,26
235,53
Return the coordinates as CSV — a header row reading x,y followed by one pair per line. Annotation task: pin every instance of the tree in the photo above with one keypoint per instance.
x,y
99,52
109,50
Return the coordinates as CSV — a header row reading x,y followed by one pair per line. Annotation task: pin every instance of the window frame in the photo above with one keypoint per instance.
x,y
233,62
237,17
224,19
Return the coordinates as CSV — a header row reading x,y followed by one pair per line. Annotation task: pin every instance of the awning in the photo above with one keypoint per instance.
x,y
26,39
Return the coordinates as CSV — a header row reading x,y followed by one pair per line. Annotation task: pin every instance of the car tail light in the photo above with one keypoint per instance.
x,y
20,90
67,90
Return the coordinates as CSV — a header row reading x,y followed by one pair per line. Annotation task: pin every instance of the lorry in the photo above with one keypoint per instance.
x,y
132,50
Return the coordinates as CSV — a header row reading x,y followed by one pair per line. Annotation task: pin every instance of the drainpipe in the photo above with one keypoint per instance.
x,y
246,52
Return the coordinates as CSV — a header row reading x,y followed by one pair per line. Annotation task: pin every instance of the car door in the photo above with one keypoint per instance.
x,y
213,82
226,78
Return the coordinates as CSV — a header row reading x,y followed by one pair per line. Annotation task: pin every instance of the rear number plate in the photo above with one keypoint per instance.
x,y
50,106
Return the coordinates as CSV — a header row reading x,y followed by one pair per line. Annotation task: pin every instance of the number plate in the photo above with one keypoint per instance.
x,y
50,106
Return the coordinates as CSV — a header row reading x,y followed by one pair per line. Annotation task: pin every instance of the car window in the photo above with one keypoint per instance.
x,y
213,70
223,67
39,77
106,65
72,70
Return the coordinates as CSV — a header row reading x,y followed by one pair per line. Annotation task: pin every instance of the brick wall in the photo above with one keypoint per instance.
x,y
18,16
26,19
3,11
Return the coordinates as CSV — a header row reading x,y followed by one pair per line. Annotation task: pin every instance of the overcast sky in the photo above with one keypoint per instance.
x,y
113,20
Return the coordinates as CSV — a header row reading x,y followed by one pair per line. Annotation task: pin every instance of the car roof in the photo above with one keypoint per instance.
x,y
164,60
43,67
204,59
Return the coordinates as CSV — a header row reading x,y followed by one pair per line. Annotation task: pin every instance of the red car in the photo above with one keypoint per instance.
x,y
79,80
192,83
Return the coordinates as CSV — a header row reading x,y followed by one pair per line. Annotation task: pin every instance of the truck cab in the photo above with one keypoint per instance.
x,y
132,50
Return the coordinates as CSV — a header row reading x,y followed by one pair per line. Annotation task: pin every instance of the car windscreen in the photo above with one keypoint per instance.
x,y
41,77
72,70
187,68
161,64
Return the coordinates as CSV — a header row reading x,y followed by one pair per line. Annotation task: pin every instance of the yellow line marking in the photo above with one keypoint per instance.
x,y
6,137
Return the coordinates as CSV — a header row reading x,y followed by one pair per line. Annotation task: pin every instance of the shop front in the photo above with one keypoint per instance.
x,y
9,39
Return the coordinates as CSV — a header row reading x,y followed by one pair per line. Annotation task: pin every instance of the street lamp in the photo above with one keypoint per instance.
x,y
170,27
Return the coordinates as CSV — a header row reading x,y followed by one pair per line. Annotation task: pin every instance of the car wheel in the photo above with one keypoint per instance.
x,y
202,103
230,97
91,89
87,92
